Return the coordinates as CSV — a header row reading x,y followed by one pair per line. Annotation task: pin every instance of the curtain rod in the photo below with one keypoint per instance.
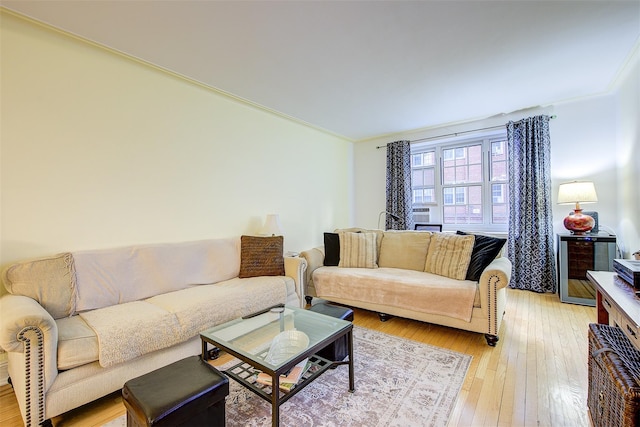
x,y
455,133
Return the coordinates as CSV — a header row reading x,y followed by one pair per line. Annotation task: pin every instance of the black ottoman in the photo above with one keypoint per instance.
x,y
339,349
188,392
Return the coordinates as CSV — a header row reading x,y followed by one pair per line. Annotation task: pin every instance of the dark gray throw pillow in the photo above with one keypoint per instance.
x,y
331,249
485,250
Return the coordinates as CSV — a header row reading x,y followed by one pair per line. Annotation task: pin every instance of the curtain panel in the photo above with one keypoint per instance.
x,y
399,199
530,241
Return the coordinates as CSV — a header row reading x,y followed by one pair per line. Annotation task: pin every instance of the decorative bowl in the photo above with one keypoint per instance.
x,y
286,345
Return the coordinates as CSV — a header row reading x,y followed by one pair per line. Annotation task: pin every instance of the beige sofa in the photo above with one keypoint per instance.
x,y
440,278
77,326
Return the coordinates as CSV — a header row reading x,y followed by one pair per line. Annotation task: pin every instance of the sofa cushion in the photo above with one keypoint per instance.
x,y
77,343
485,250
358,250
50,281
261,256
404,249
449,255
407,289
107,277
331,249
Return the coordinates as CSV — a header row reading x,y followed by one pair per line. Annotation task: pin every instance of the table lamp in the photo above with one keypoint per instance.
x,y
272,226
577,192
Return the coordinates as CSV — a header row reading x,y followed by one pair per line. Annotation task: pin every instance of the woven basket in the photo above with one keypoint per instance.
x,y
614,378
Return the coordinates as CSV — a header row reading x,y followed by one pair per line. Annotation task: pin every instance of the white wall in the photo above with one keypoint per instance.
x,y
628,156
99,150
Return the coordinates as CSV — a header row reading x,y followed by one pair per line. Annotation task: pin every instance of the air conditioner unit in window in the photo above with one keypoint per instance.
x,y
421,215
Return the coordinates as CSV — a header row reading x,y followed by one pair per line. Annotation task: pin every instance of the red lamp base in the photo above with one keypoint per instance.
x,y
578,223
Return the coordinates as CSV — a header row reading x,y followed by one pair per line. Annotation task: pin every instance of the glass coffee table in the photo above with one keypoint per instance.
x,y
249,339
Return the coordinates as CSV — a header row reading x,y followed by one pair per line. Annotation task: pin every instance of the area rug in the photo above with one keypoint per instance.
x,y
398,382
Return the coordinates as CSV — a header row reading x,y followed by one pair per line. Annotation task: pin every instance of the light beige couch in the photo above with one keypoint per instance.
x,y
417,275
77,326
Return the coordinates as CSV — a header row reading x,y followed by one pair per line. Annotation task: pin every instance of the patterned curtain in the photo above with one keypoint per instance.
x,y
530,241
399,200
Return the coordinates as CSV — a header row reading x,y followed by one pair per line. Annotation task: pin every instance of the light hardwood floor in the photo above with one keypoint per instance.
x,y
535,376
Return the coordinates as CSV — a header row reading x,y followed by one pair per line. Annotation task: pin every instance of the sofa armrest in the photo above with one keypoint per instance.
x,y
295,267
495,277
29,332
315,259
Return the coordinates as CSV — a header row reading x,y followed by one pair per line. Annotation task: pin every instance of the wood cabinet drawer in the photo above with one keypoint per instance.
x,y
614,314
631,330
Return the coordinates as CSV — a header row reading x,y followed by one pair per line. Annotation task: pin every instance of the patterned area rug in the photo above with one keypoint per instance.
x,y
399,382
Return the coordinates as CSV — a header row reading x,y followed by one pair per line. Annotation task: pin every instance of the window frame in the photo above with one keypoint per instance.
x,y
436,208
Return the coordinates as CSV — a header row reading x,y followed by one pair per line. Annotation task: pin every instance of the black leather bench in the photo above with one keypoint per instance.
x,y
338,350
189,392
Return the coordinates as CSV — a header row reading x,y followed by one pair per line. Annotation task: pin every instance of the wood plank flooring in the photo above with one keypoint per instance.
x,y
535,376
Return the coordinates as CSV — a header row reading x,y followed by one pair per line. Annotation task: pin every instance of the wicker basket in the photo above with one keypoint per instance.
x,y
614,378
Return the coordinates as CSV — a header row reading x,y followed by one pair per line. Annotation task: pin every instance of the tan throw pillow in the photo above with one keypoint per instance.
x,y
379,235
358,250
404,249
261,256
51,281
449,255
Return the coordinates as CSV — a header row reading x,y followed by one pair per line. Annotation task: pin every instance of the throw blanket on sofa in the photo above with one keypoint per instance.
x,y
126,331
409,289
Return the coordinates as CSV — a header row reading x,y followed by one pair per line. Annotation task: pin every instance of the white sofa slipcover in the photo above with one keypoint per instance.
x,y
77,326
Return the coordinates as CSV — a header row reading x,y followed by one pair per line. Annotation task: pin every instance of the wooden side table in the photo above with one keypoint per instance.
x,y
617,304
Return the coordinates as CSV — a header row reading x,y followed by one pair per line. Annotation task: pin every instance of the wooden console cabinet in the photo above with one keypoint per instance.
x,y
617,304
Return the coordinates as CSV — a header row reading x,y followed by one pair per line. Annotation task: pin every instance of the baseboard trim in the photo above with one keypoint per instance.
x,y
4,372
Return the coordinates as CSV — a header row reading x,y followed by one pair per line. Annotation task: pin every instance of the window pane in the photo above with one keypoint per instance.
x,y
416,160
429,195
475,195
417,196
475,214
449,215
475,154
499,214
429,159
475,173
448,196
417,178
498,193
430,177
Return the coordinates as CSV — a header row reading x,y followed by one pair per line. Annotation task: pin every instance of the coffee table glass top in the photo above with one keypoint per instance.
x,y
252,336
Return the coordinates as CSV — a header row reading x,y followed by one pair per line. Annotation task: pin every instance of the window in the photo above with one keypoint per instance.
x,y
462,182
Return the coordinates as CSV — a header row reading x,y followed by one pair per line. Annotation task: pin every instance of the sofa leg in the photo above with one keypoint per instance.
x,y
308,299
384,317
492,340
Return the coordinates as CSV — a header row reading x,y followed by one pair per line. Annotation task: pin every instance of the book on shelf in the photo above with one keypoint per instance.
x,y
289,381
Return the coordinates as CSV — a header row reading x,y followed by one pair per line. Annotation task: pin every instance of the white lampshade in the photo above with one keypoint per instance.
x,y
272,226
577,192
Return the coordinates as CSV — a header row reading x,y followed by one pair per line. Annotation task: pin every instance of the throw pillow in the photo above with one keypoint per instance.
x,y
449,255
379,235
331,249
485,250
358,250
261,256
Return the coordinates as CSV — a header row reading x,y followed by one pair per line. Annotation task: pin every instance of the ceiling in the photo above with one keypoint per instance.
x,y
361,69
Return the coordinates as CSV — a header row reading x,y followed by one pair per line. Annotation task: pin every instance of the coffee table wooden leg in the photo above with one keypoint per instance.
x,y
352,386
